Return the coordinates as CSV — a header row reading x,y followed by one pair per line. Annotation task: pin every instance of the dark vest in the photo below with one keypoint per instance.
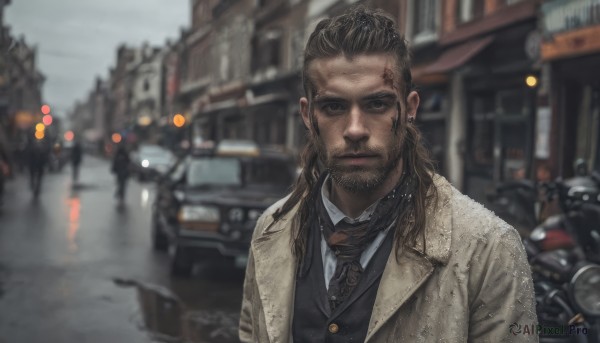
x,y
313,321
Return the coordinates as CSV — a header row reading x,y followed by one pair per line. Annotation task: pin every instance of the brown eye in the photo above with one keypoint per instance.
x,y
378,106
333,108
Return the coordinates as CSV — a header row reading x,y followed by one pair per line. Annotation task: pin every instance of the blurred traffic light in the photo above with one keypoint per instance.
x,y
69,135
45,109
47,119
40,127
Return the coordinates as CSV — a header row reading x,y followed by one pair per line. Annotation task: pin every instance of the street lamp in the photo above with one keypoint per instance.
x,y
178,120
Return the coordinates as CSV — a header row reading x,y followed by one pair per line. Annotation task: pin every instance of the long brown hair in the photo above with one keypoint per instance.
x,y
361,31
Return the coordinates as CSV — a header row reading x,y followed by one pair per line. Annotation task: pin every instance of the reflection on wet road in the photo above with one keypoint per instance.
x,y
75,267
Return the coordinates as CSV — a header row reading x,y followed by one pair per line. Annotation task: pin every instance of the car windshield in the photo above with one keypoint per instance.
x,y
268,173
164,158
214,172
155,154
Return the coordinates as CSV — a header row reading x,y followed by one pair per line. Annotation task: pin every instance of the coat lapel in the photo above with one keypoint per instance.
x,y
403,277
398,283
275,268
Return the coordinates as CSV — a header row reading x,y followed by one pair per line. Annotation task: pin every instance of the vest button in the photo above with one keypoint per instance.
x,y
334,328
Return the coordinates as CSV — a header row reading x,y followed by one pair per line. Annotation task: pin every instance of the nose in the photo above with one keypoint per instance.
x,y
356,127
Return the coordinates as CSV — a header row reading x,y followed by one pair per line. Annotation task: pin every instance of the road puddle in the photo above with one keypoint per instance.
x,y
168,319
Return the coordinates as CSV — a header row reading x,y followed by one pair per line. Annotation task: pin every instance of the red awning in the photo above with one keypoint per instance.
x,y
459,55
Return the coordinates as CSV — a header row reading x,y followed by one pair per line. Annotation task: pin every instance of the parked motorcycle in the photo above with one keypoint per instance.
x,y
563,251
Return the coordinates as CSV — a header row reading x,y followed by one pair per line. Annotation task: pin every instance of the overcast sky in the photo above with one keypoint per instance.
x,y
77,39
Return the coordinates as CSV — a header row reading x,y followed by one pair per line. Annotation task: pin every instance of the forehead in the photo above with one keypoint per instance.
x,y
359,73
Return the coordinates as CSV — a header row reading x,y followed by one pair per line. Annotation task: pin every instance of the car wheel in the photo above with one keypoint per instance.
x,y
160,241
181,263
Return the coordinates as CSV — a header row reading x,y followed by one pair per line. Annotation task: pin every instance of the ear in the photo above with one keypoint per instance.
x,y
412,104
304,112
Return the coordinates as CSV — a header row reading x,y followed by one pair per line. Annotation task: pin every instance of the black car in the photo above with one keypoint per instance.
x,y
208,203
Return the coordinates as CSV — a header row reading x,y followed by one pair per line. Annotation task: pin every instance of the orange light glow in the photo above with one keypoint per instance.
x,y
45,109
178,120
39,134
40,127
116,138
47,119
69,135
74,214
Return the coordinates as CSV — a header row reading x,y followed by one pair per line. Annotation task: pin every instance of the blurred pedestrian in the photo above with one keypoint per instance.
x,y
121,166
38,153
76,157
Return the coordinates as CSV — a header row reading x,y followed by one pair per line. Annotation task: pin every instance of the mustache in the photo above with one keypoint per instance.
x,y
355,150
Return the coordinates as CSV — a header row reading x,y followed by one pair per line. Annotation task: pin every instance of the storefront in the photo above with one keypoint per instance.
x,y
571,49
500,87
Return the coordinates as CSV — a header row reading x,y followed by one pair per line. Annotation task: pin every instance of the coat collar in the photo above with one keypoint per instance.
x,y
275,267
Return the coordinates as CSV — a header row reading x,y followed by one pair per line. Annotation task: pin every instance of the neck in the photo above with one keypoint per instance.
x,y
354,203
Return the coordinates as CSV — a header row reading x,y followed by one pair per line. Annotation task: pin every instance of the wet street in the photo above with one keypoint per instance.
x,y
75,267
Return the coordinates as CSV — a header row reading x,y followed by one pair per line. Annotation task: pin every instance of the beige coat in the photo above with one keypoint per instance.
x,y
470,284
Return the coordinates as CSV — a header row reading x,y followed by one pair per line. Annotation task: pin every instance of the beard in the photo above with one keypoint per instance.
x,y
361,179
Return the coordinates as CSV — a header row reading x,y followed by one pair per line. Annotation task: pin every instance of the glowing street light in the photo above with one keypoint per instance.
x,y
178,120
69,135
40,127
116,138
531,81
39,134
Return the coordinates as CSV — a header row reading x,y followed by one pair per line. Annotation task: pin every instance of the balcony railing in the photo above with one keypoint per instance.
x,y
568,15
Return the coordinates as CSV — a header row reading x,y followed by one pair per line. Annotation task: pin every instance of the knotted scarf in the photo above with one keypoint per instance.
x,y
348,241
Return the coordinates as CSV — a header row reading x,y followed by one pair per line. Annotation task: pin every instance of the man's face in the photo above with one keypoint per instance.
x,y
355,105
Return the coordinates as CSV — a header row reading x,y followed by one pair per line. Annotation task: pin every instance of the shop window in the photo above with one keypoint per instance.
x,y
431,120
482,131
511,103
425,21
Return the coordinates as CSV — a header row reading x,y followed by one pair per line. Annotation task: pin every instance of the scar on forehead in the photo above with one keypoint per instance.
x,y
389,78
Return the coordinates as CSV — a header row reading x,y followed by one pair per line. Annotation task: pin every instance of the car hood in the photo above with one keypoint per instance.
x,y
234,197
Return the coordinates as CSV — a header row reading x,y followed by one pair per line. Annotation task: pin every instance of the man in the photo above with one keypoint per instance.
x,y
38,151
121,164
372,245
76,157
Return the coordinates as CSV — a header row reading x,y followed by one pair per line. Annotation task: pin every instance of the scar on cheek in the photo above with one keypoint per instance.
x,y
388,78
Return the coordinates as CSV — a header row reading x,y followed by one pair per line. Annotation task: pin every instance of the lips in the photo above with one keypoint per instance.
x,y
357,156
357,159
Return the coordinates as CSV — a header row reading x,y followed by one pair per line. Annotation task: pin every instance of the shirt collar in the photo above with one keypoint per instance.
x,y
335,214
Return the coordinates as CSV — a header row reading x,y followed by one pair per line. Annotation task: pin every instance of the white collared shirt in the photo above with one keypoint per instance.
x,y
336,215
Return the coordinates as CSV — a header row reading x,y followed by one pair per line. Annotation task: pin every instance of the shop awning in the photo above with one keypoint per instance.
x,y
459,55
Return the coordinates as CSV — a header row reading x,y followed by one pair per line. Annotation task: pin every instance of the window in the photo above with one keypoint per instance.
x,y
469,10
267,50
425,22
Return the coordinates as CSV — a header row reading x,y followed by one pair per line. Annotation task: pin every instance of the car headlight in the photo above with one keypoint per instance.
x,y
145,163
585,289
199,213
